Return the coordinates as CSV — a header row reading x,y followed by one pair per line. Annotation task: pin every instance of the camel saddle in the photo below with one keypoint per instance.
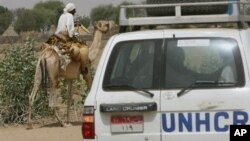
x,y
61,44
66,48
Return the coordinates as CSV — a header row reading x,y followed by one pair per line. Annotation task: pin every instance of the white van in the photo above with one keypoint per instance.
x,y
171,84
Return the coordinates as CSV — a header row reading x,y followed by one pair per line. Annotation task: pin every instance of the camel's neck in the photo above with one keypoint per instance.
x,y
95,46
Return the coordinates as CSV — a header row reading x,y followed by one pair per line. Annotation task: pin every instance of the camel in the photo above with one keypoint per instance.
x,y
49,65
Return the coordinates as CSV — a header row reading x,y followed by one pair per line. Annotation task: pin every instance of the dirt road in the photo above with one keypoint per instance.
x,y
53,133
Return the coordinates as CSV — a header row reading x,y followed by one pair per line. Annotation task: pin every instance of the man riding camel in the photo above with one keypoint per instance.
x,y
65,35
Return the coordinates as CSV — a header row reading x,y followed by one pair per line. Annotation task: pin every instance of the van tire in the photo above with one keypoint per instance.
x,y
190,10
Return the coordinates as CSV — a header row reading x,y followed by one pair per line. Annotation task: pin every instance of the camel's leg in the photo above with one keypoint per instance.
x,y
69,99
55,109
88,79
85,66
52,99
37,83
52,95
31,101
85,70
53,91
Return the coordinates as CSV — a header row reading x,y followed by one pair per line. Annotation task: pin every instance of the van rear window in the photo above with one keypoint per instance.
x,y
174,63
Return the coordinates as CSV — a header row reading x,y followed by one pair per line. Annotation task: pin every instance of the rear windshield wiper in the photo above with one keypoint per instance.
x,y
129,87
199,83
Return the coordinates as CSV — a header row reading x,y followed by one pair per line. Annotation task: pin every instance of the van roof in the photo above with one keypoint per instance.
x,y
188,32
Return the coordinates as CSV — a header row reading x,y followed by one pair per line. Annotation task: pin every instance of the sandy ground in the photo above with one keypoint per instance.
x,y
45,133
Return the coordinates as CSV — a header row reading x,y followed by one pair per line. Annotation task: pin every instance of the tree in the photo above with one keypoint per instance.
x,y
84,20
40,18
110,12
48,13
105,12
6,19
25,20
132,12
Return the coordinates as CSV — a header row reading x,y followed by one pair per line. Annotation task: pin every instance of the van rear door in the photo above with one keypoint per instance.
x,y
202,89
128,100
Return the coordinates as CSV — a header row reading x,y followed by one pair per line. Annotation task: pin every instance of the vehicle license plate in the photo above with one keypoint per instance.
x,y
127,124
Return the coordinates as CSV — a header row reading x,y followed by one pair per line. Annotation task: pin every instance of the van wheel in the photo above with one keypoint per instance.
x,y
188,10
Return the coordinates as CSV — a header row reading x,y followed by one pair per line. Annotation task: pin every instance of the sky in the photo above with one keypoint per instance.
x,y
83,7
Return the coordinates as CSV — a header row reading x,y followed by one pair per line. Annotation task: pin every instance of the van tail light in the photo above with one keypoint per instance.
x,y
88,123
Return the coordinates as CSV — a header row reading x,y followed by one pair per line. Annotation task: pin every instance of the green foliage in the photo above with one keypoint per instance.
x,y
5,19
105,12
16,80
25,20
110,12
40,17
49,12
42,20
132,12
55,7
84,20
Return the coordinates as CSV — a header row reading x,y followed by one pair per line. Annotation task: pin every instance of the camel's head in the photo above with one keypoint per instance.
x,y
104,26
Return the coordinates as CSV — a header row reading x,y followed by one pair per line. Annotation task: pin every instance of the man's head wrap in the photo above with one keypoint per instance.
x,y
69,7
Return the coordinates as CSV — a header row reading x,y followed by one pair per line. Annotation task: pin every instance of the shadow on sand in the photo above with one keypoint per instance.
x,y
59,125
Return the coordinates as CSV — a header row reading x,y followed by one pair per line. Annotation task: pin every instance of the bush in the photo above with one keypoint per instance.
x,y
16,80
17,71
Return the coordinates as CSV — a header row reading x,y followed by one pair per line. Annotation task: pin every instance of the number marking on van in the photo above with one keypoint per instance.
x,y
127,124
